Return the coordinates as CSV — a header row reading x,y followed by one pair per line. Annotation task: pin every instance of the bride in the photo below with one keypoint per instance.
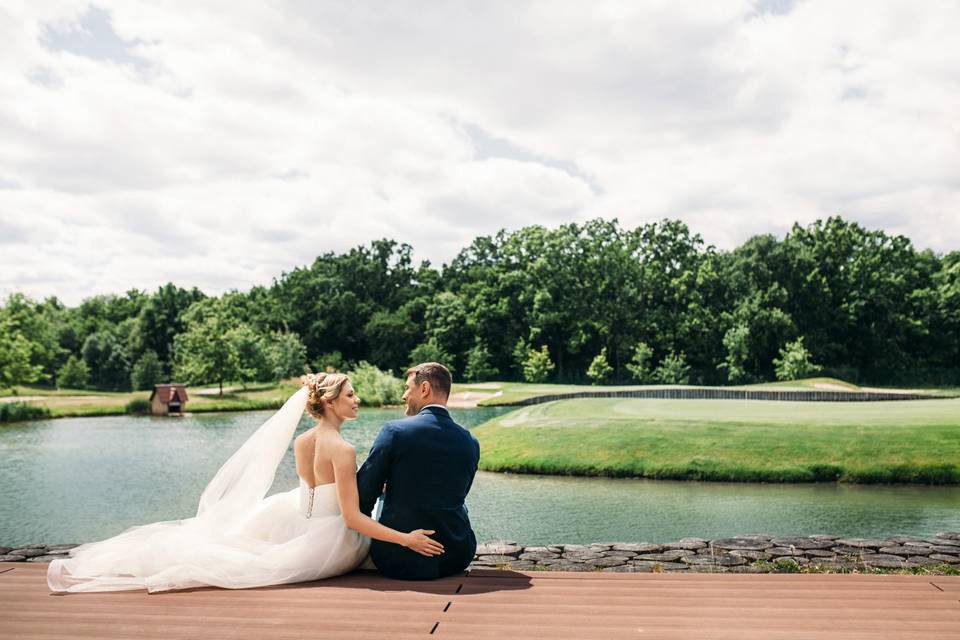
x,y
239,539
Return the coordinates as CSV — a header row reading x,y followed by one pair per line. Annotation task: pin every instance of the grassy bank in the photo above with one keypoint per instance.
x,y
76,402
728,440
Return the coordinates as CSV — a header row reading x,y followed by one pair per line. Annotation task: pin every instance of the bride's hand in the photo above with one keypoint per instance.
x,y
418,541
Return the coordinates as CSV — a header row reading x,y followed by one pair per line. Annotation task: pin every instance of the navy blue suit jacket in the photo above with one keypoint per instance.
x,y
427,462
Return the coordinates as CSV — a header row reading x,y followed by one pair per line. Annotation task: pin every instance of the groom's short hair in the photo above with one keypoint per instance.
x,y
436,374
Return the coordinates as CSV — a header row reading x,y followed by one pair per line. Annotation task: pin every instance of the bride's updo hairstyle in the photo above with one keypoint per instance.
x,y
320,387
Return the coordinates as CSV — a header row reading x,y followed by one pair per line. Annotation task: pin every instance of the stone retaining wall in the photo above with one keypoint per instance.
x,y
719,393
745,554
35,552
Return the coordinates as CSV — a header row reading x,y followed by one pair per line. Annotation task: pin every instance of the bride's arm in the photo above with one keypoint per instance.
x,y
345,474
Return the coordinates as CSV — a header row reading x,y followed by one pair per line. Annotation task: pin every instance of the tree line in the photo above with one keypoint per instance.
x,y
580,302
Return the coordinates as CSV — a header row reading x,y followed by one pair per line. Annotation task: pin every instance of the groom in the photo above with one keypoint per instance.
x,y
427,462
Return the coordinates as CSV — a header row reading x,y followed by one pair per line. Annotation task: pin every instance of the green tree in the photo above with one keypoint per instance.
x,y
252,362
159,320
286,355
106,358
73,374
375,387
862,299
640,363
736,343
392,334
520,353
431,351
600,370
677,292
206,353
37,323
146,372
332,362
753,274
330,303
538,366
15,365
673,369
446,323
794,362
478,364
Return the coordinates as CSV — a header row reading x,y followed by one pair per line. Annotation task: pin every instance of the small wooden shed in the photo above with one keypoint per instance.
x,y
167,399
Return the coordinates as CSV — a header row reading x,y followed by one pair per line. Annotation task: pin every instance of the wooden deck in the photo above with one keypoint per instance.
x,y
498,604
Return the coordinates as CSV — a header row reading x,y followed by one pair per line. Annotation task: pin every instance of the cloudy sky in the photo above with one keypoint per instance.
x,y
219,144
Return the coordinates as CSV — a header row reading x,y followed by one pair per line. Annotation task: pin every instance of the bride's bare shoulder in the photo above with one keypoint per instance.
x,y
339,447
305,440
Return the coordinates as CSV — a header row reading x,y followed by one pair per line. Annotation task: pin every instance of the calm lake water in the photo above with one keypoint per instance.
x,y
84,479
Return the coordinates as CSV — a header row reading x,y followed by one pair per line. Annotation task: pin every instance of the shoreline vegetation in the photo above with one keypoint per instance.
x,y
71,403
375,387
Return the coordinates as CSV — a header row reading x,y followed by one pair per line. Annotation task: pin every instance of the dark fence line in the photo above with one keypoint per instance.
x,y
709,393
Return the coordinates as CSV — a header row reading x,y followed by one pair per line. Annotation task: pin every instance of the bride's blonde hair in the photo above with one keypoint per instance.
x,y
320,387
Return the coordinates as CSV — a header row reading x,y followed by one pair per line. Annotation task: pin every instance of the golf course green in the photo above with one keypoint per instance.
x,y
730,440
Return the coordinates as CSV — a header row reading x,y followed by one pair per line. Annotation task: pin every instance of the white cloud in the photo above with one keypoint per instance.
x,y
218,144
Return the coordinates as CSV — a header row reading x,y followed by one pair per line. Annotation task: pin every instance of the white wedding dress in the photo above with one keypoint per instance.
x,y
238,539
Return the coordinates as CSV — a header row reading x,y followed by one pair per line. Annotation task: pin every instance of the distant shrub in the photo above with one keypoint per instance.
x,y
599,370
19,411
639,365
286,355
673,369
74,374
737,343
331,363
538,366
147,371
138,405
431,351
478,364
794,362
375,387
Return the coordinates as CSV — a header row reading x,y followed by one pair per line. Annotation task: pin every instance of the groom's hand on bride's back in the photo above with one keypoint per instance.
x,y
418,540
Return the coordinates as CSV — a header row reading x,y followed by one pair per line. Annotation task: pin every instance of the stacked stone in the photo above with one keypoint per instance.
x,y
35,552
746,554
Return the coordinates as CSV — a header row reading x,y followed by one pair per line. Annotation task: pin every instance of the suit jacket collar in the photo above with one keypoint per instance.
x,y
435,409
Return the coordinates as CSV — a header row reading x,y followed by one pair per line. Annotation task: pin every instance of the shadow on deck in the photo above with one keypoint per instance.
x,y
501,604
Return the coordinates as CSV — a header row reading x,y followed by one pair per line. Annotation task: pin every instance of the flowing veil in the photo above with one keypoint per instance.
x,y
246,476
237,539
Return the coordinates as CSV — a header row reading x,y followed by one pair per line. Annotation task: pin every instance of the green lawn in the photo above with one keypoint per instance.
x,y
77,402
830,384
508,392
730,440
511,392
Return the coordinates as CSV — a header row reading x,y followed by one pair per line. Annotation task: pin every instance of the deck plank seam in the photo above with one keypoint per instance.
x,y
447,607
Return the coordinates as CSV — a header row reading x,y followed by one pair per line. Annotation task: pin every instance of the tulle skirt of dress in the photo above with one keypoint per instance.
x,y
274,543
